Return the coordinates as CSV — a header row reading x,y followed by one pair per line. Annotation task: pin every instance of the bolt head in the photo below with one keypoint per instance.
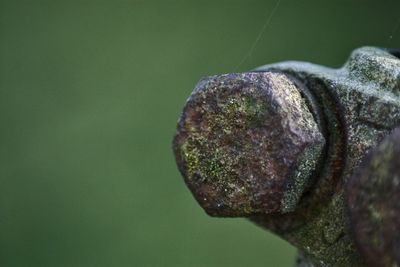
x,y
247,144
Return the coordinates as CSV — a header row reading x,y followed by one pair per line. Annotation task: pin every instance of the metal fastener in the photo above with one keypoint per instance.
x,y
247,144
280,144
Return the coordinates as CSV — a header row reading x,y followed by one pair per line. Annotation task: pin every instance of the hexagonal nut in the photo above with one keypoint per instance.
x,y
247,144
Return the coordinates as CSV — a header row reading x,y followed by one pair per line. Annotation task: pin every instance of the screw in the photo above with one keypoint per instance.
x,y
247,144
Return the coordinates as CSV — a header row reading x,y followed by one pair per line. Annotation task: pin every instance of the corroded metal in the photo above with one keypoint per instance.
x,y
247,144
278,145
373,196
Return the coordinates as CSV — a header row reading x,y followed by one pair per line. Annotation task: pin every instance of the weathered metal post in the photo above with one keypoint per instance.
x,y
280,146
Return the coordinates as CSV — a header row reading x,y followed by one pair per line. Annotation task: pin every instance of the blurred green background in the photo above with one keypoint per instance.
x,y
90,92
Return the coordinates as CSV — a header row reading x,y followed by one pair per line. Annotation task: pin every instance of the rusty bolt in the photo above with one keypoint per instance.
x,y
250,145
247,144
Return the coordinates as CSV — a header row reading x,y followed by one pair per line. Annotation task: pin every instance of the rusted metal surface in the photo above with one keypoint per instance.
x,y
244,141
373,196
278,145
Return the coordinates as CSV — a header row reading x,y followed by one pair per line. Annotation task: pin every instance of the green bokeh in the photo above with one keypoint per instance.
x,y
90,92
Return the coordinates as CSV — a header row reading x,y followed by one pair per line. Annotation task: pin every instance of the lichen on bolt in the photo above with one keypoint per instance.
x,y
244,140
248,145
